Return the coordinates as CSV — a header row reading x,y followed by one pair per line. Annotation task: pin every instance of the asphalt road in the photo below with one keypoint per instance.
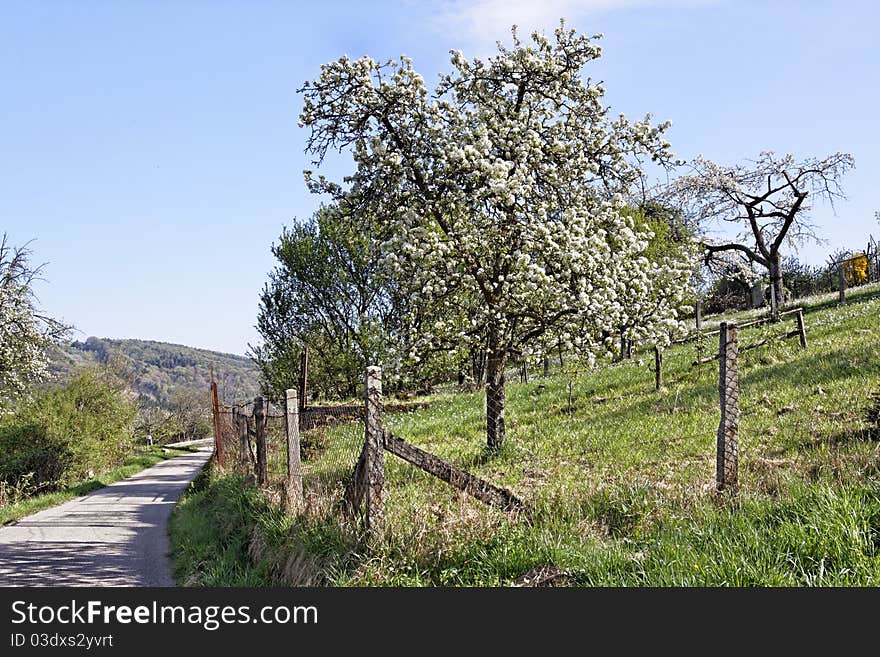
x,y
115,536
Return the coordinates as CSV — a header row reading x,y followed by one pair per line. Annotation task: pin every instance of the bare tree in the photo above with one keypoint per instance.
x,y
767,198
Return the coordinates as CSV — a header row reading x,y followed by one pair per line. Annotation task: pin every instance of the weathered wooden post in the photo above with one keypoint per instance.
x,y
658,368
294,484
375,455
841,282
303,378
546,366
215,410
260,432
802,331
240,423
728,428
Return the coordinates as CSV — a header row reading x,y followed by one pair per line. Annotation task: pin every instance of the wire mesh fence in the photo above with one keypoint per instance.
x,y
679,421
330,442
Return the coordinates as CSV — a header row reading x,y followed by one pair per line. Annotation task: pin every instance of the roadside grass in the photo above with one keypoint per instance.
x,y
143,459
620,477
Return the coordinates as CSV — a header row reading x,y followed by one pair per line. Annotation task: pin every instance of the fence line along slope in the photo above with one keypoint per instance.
x,y
621,476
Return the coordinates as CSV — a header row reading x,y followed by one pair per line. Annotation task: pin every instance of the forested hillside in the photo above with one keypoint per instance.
x,y
159,370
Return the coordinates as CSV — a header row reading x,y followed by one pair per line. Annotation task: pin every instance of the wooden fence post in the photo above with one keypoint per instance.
x,y
240,423
260,432
215,410
699,314
658,368
841,283
375,455
728,428
802,331
294,463
303,378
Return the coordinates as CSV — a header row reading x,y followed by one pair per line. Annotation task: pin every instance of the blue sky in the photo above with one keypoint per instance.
x,y
151,149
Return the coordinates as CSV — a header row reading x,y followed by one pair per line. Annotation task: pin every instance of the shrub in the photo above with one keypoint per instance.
x,y
30,459
65,434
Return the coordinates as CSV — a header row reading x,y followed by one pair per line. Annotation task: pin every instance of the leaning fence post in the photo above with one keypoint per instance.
x,y
375,454
658,368
294,462
728,428
841,282
260,431
802,331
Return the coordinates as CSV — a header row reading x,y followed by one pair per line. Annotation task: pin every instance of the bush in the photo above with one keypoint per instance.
x,y
30,459
66,434
727,293
804,280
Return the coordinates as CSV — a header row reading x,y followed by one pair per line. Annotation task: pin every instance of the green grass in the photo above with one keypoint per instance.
x,y
622,487
133,464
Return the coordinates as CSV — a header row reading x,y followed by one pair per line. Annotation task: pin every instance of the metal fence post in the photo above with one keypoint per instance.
x,y
658,368
728,428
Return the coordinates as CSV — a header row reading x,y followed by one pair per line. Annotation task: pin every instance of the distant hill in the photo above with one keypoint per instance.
x,y
157,369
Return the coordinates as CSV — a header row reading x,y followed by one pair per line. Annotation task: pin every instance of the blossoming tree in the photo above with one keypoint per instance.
x,y
25,333
500,196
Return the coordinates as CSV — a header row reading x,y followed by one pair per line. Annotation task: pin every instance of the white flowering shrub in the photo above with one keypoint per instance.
x,y
25,334
500,199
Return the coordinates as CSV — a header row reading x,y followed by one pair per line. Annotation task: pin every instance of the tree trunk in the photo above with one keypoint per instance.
x,y
477,365
776,281
495,397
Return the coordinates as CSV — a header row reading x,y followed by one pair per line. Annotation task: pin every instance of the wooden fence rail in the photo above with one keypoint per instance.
x,y
464,481
800,331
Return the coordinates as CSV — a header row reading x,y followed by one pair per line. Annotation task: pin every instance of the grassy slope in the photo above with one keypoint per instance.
x,y
622,486
132,465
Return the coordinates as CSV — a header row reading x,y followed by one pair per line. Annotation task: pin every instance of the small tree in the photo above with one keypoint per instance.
x,y
500,197
326,293
767,199
25,332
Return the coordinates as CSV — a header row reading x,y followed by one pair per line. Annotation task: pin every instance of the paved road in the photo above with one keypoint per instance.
x,y
115,536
